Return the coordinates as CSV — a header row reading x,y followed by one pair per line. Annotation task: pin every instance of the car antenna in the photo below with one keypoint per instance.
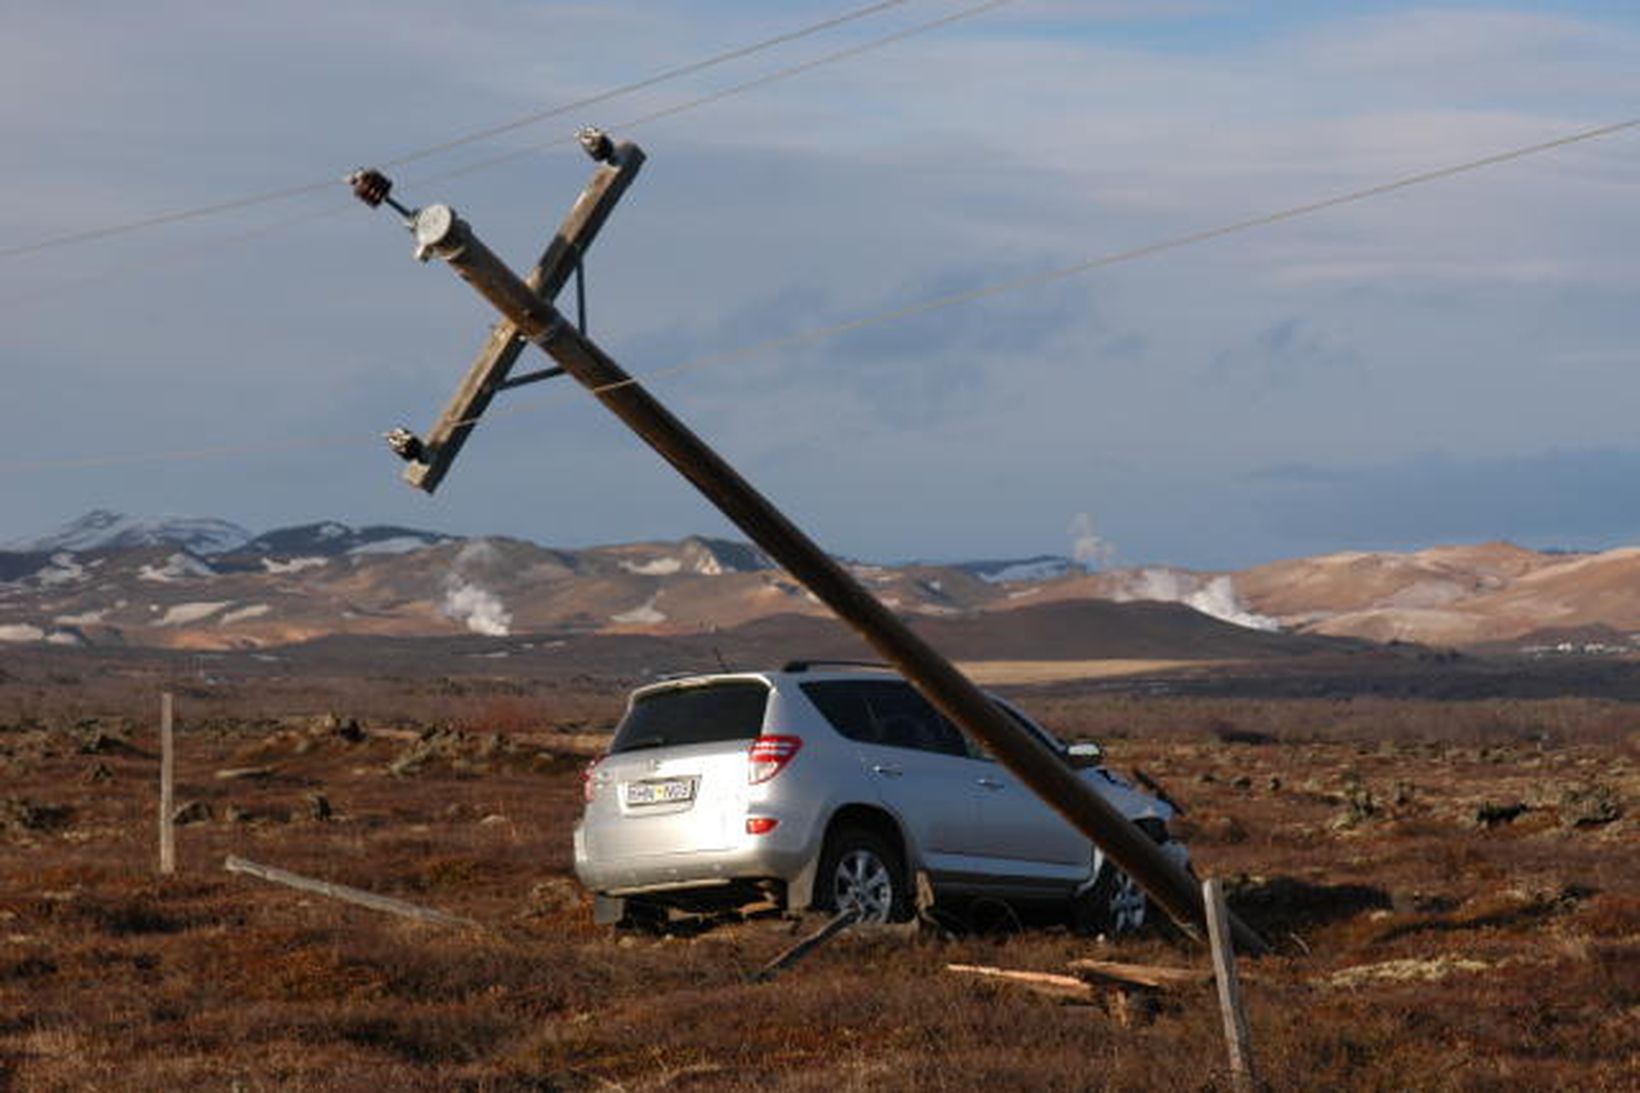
x,y
723,665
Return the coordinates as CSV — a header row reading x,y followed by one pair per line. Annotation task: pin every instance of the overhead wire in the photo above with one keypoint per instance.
x,y
954,299
1031,280
287,192
149,262
734,89
645,83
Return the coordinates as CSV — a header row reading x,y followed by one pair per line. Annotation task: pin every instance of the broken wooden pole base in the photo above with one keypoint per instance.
x,y
804,947
346,894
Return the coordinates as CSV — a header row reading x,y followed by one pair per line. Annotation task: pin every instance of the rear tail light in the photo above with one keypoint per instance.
x,y
769,756
760,825
589,780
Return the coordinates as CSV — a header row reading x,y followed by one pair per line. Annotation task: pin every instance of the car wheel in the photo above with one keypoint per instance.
x,y
860,870
1113,905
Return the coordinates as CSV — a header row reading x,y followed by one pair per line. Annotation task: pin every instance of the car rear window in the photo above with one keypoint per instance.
x,y
693,715
886,712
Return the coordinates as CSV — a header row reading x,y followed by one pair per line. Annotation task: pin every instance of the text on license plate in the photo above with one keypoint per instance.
x,y
660,791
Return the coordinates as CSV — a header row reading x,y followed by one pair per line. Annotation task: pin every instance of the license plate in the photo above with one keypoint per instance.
x,y
660,791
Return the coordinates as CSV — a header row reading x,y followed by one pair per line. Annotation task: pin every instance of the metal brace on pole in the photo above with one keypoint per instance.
x,y
430,457
441,234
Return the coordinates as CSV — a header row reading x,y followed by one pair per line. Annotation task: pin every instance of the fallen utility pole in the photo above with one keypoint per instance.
x,y
345,893
441,234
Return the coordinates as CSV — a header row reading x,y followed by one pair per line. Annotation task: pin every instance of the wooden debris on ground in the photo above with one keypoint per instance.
x,y
1128,992
1049,983
1141,975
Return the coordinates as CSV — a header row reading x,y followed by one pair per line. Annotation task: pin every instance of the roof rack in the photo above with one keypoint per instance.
x,y
805,665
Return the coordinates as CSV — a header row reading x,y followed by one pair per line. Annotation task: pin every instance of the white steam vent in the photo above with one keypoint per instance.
x,y
1215,596
1088,547
468,602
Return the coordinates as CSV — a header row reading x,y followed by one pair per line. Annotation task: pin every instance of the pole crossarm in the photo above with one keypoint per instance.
x,y
431,457
441,234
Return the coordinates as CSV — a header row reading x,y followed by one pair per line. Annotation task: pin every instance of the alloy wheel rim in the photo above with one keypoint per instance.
x,y
1127,905
863,883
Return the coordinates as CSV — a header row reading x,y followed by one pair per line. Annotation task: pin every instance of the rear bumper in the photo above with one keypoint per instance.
x,y
758,858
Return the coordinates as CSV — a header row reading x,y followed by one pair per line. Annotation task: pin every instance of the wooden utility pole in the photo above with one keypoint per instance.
x,y
441,234
1238,1039
167,780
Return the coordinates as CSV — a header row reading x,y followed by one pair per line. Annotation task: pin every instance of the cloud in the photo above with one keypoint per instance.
x,y
1569,498
1288,350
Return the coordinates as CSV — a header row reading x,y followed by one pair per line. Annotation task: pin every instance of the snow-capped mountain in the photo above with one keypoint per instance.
x,y
327,539
695,555
1043,567
102,529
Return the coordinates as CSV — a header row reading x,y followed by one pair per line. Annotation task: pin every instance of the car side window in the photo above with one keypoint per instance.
x,y
885,712
976,750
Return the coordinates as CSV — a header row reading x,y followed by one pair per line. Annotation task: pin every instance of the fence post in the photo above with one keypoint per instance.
x,y
1236,1035
167,777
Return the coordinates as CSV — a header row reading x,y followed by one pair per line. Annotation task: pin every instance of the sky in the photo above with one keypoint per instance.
x,y
1450,362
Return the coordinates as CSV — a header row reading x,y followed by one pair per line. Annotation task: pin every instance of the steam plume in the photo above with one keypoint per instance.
x,y
467,602
1088,547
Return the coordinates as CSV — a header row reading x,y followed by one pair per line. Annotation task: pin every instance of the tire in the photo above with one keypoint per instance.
x,y
1113,905
860,869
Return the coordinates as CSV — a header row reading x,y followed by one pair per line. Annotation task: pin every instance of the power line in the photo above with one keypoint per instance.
x,y
148,261
954,299
734,89
647,82
1031,280
182,455
268,196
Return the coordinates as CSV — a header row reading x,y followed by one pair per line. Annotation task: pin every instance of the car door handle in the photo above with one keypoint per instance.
x,y
887,770
989,783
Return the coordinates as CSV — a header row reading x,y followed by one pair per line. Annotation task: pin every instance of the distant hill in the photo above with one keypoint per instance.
x,y
200,583
101,529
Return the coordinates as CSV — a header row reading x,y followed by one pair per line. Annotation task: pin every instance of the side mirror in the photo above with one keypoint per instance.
x,y
1085,754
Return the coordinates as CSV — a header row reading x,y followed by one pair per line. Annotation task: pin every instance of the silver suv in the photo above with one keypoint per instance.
x,y
830,786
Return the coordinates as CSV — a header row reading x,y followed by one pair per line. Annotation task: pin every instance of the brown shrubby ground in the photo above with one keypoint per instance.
x,y
1450,887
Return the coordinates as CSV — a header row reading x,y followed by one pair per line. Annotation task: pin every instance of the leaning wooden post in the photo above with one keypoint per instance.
x,y
167,777
1236,1035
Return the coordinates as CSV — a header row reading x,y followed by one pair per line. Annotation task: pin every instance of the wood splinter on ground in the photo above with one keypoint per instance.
x,y
1049,983
342,892
1127,1003
1141,975
1128,991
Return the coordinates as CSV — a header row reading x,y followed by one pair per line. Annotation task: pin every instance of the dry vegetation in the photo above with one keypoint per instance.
x,y
1451,888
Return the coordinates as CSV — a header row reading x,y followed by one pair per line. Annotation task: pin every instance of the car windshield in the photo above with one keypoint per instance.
x,y
693,715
